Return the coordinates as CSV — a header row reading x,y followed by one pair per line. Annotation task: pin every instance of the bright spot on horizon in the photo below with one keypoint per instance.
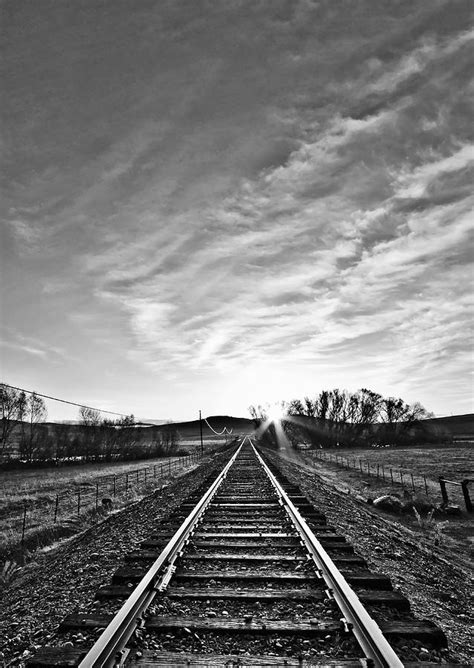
x,y
275,413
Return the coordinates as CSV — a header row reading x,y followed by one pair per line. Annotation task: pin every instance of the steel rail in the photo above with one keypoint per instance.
x,y
106,650
364,627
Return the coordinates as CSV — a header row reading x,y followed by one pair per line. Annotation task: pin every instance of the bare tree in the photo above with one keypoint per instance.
x,y
258,415
322,405
89,416
90,442
370,404
169,438
126,435
12,406
295,407
35,413
399,418
62,442
353,418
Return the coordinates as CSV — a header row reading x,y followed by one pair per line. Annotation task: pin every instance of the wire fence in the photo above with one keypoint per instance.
x,y
101,494
415,482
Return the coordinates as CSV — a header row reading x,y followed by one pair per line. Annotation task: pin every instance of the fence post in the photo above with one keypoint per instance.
x,y
383,472
426,486
360,465
138,473
378,470
401,478
465,491
56,508
444,493
391,475
23,528
412,482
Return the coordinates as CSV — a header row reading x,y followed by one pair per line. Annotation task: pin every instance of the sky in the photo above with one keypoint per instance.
x,y
213,204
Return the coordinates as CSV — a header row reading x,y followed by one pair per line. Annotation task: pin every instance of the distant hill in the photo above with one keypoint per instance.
x,y
456,426
217,423
461,427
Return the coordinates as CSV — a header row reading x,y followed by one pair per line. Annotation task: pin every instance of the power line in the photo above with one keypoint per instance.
x,y
218,433
63,401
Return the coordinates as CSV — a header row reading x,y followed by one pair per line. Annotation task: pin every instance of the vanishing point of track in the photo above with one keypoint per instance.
x,y
245,573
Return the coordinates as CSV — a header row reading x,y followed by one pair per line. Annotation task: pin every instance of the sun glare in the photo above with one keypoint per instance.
x,y
275,413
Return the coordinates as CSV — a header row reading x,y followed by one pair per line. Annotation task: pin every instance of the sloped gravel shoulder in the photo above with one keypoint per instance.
x,y
438,587
66,577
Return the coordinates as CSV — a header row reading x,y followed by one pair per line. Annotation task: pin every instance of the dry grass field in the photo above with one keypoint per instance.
x,y
454,462
57,502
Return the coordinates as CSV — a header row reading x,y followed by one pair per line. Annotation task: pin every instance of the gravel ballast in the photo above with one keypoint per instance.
x,y
438,585
64,579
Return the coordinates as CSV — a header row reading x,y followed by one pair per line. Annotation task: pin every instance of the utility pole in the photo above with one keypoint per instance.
x,y
200,429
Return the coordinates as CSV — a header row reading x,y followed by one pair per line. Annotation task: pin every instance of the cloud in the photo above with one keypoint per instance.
x,y
32,346
247,186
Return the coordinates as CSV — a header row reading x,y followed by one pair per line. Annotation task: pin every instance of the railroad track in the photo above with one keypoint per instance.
x,y
245,573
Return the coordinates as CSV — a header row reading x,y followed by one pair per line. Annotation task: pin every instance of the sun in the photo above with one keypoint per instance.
x,y
275,413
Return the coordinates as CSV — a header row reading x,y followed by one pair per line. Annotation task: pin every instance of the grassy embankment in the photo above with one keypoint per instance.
x,y
61,501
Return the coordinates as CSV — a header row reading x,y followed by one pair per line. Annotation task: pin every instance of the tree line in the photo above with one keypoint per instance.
x,y
26,436
342,418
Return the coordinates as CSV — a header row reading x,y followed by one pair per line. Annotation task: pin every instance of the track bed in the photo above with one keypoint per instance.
x,y
246,572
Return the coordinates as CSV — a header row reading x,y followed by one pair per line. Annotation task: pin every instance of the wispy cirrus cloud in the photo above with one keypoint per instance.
x,y
286,184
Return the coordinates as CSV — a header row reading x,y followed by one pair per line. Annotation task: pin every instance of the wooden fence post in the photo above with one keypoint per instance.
x,y
444,493
56,509
465,491
23,528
